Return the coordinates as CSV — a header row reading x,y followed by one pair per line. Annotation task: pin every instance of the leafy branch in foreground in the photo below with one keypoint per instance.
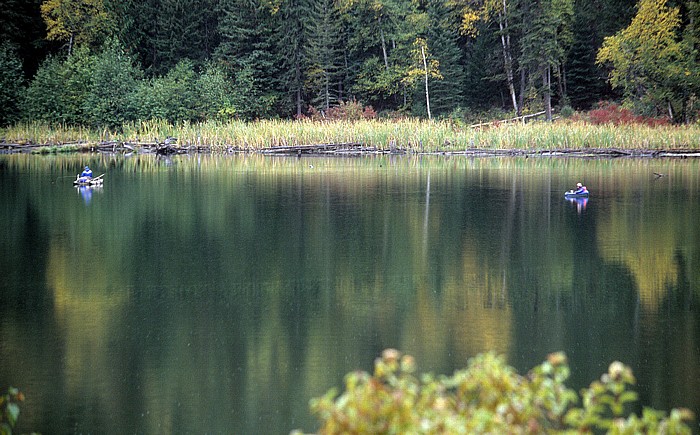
x,y
9,410
487,397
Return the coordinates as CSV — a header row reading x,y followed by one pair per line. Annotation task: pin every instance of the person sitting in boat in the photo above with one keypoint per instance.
x,y
87,173
580,188
85,176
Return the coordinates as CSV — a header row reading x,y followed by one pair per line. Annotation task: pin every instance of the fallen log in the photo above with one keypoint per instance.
x,y
504,121
312,149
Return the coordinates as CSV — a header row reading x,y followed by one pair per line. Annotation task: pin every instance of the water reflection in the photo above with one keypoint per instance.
x,y
87,191
220,294
579,203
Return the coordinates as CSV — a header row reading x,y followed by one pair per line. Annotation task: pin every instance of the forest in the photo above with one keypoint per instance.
x,y
103,63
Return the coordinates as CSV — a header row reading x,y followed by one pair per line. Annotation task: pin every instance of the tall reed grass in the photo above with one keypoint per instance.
x,y
411,134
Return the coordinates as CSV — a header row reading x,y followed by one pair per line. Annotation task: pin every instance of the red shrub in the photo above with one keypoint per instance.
x,y
612,113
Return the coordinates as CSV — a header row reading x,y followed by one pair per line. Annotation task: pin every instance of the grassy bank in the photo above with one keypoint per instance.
x,y
410,134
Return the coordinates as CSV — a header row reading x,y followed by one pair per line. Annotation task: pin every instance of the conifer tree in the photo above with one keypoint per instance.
x,y
112,81
545,44
11,83
163,32
294,44
137,24
324,53
22,26
593,20
475,14
380,44
249,48
447,93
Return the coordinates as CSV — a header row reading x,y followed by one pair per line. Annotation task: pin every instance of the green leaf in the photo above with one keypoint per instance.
x,y
5,429
628,396
12,413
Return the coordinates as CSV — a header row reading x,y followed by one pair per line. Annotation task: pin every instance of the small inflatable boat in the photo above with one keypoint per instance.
x,y
573,194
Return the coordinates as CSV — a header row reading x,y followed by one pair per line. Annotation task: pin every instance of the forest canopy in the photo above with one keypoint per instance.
x,y
100,63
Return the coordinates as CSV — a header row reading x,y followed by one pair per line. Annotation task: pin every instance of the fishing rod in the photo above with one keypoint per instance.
x,y
64,176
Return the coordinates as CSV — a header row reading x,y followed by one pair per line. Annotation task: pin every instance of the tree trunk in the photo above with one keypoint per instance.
x,y
562,84
521,98
507,56
343,77
427,95
298,102
327,90
297,74
546,91
381,35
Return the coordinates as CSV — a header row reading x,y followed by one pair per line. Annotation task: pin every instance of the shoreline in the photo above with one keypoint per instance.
x,y
341,150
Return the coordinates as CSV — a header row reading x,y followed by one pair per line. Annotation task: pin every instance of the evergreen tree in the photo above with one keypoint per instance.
x,y
294,44
163,32
42,97
593,20
690,86
22,26
484,83
476,17
185,31
137,24
446,94
112,83
11,83
324,54
586,81
545,44
380,43
58,91
279,56
249,48
174,97
215,93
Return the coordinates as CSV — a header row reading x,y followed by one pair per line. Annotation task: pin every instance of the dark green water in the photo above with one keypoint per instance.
x,y
218,295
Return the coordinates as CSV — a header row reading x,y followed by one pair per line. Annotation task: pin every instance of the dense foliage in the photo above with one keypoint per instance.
x,y
488,397
189,60
10,83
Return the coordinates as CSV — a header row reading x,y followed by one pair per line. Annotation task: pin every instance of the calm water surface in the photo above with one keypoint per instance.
x,y
219,294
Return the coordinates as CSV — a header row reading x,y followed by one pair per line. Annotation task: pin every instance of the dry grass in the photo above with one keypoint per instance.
x,y
411,134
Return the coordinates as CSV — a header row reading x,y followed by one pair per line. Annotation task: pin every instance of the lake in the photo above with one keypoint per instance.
x,y
218,294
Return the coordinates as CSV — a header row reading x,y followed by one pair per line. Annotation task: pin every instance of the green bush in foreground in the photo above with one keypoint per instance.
x,y
488,397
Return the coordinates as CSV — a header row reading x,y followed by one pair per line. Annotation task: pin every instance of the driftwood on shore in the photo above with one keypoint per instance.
x,y
522,119
317,149
162,148
170,147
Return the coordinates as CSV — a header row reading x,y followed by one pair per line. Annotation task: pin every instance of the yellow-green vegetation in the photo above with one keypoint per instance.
x,y
28,133
488,397
410,134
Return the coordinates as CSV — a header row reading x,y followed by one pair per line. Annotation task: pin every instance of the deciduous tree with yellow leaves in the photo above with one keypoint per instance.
x,y
76,21
649,62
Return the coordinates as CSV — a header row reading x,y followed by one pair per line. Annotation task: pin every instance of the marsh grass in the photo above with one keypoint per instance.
x,y
409,134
